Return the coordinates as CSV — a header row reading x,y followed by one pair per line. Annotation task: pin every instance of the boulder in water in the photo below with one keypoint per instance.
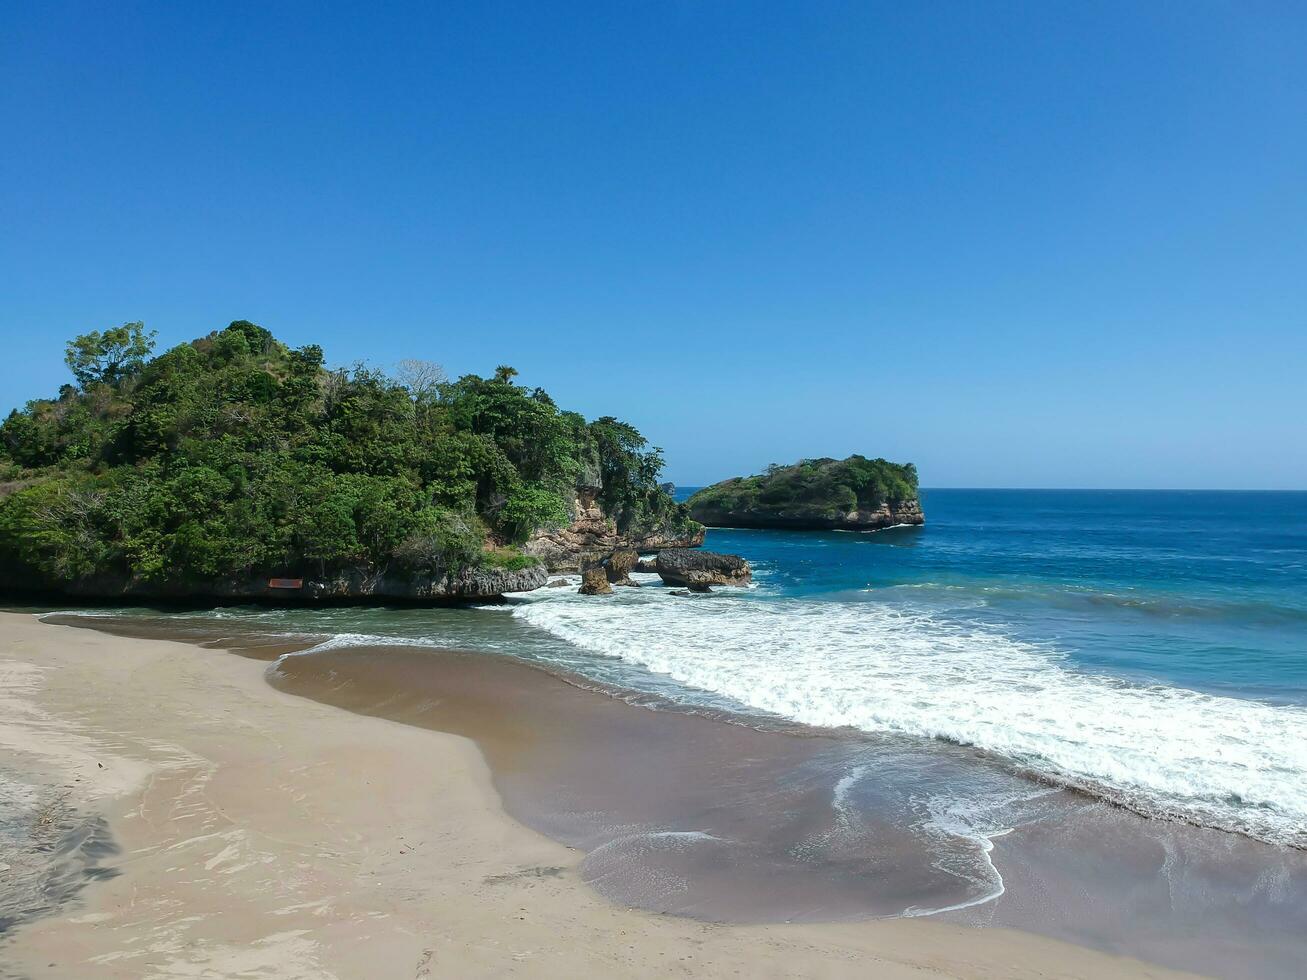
x,y
698,570
619,565
594,580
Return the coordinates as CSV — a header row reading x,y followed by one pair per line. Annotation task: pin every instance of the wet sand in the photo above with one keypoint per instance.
x,y
677,812
696,816
264,834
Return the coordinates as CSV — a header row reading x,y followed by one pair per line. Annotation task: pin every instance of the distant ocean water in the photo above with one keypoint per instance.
x,y
1146,647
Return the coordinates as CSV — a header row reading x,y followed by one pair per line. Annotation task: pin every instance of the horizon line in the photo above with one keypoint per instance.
x,y
1084,489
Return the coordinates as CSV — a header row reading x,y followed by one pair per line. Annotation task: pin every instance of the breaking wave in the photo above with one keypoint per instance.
x,y
1238,765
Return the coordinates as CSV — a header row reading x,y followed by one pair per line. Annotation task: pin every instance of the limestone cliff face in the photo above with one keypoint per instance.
x,y
593,534
808,518
342,585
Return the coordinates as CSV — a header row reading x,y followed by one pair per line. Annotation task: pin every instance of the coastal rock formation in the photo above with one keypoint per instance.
x,y
465,584
697,570
806,518
854,494
221,465
619,565
594,580
667,536
592,532
649,564
483,583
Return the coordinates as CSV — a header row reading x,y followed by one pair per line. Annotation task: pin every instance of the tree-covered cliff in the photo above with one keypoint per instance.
x,y
854,493
233,458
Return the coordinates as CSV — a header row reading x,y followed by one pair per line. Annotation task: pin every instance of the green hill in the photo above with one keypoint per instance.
x,y
234,459
849,494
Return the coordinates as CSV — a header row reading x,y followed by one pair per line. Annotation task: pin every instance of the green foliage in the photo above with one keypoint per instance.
x,y
629,473
235,456
529,507
816,487
506,559
442,540
53,523
109,357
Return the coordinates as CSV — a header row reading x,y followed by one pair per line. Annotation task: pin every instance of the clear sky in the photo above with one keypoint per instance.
x,y
1020,244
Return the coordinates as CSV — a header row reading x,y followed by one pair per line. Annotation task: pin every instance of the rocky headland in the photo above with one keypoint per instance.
x,y
236,467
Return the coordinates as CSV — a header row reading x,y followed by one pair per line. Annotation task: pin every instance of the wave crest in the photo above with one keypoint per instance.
x,y
1235,764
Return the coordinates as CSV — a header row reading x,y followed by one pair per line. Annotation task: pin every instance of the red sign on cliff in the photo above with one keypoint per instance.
x,y
285,583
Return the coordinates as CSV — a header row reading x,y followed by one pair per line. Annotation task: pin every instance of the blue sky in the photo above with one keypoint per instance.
x,y
1021,244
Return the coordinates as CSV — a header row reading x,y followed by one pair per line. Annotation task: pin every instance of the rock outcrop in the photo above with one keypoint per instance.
x,y
665,537
812,519
592,534
389,584
697,570
594,580
619,565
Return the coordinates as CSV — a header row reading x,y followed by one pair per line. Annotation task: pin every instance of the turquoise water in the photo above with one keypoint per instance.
x,y
1197,589
1149,648
1146,647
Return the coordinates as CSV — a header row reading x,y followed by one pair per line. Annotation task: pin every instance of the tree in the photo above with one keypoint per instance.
x,y
422,378
109,357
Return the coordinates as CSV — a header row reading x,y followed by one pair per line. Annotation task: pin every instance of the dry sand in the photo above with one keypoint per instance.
x,y
264,835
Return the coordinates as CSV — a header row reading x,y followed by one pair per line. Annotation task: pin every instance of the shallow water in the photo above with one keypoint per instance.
x,y
49,850
677,812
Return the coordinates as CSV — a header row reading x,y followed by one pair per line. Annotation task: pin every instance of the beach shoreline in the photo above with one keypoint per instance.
x,y
258,831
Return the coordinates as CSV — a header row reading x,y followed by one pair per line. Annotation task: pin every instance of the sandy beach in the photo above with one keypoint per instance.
x,y
262,834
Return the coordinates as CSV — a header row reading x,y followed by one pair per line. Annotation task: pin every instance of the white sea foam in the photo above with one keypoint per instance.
x,y
1236,764
84,613
345,641
980,820
840,795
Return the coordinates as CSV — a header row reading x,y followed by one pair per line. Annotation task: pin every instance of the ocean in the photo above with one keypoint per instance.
x,y
1147,646
999,692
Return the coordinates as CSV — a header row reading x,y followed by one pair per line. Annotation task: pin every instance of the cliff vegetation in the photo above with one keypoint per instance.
x,y
852,493
235,456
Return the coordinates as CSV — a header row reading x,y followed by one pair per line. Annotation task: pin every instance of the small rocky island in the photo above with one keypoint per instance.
x,y
853,494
